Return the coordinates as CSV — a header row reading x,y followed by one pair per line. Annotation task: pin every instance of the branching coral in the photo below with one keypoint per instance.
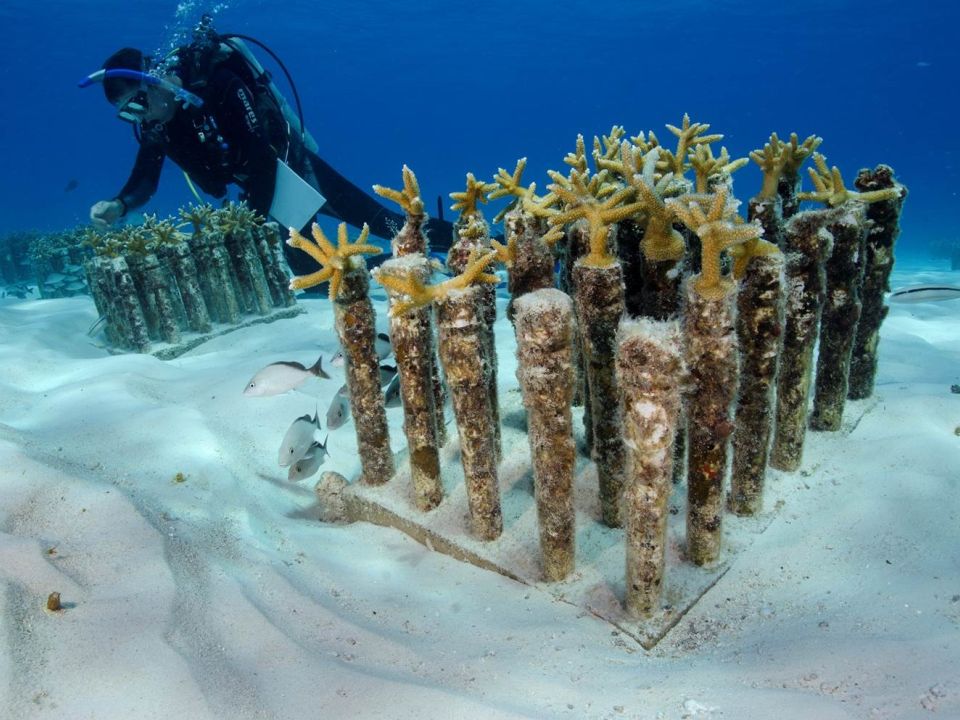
x,y
831,190
797,152
705,165
717,231
199,216
409,198
688,135
236,218
333,260
743,254
420,294
772,158
600,204
466,202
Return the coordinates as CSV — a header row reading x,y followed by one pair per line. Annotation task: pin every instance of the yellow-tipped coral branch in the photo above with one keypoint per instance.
x,y
409,198
831,190
332,260
717,231
420,294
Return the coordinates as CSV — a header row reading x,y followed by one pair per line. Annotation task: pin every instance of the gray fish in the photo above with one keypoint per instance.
x,y
309,463
338,359
387,372
281,377
338,413
54,279
382,345
73,269
391,393
298,439
72,185
76,286
344,391
925,293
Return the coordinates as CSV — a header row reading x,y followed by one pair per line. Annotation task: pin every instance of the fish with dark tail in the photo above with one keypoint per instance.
x,y
284,376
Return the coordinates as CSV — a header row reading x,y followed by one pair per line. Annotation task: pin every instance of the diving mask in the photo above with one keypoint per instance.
x,y
134,108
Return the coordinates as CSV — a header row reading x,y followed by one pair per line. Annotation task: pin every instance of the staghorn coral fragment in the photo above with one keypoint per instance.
x,y
717,232
409,198
706,166
420,294
411,238
772,159
599,204
831,190
476,192
332,260
688,135
796,153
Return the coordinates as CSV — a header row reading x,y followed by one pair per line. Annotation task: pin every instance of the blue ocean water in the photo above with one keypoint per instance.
x,y
450,87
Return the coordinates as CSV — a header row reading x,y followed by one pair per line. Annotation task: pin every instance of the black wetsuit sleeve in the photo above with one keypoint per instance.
x,y
254,160
144,178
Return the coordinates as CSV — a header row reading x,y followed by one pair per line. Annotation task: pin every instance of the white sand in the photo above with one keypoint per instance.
x,y
223,597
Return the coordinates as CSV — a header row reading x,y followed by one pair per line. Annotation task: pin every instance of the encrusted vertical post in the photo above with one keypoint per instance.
x,y
462,350
267,241
806,244
759,331
356,327
412,336
473,234
223,282
532,267
600,306
650,371
877,261
249,271
711,356
545,336
843,274
184,268
157,285
128,300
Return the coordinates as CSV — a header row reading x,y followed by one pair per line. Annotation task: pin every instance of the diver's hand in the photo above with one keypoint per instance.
x,y
105,213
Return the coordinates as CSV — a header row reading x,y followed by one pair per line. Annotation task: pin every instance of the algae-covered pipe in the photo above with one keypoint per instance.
x,y
843,275
650,372
181,262
878,264
600,306
759,331
412,337
356,327
532,267
807,243
545,336
711,356
462,351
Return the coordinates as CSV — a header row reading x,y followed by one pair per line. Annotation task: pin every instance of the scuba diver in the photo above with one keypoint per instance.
x,y
212,109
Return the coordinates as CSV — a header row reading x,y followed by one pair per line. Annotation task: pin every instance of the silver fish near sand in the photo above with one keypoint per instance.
x,y
925,293
298,440
339,411
280,377
309,463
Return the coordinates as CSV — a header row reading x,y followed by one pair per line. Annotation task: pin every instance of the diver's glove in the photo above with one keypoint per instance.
x,y
106,212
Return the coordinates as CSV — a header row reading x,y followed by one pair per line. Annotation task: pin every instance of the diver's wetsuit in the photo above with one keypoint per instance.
x,y
226,142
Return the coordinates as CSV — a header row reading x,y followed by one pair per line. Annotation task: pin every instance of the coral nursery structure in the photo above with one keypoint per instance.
x,y
694,328
156,285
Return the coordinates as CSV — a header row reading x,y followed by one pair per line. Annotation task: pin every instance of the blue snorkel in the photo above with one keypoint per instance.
x,y
183,96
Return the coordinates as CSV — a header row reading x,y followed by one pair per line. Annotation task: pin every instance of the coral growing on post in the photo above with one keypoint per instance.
x,y
333,260
410,239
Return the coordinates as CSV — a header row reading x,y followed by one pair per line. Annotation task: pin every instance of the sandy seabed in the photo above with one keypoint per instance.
x,y
222,596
